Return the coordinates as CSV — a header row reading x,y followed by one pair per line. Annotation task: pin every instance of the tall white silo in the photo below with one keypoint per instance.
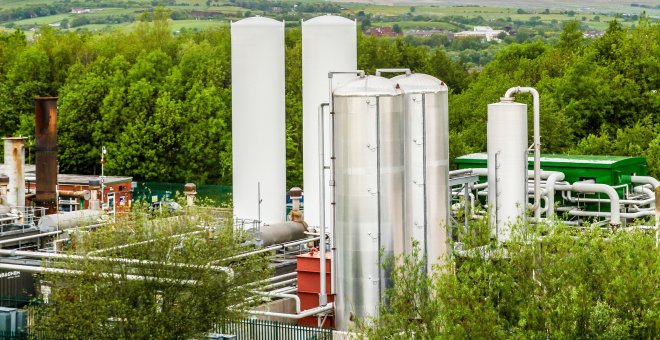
x,y
329,43
507,165
258,116
426,150
368,138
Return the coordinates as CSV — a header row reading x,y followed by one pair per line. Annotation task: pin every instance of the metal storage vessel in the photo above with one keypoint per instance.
x,y
329,43
507,165
426,184
368,150
258,130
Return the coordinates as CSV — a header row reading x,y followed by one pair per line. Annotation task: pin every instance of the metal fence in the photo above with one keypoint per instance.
x,y
158,191
249,329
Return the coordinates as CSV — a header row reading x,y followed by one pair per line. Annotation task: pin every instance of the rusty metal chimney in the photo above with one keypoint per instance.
x,y
15,170
45,110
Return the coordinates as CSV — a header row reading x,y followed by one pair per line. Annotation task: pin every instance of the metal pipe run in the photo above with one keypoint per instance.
x,y
605,189
123,246
130,277
283,296
645,180
42,255
327,308
267,249
323,300
392,70
29,237
537,143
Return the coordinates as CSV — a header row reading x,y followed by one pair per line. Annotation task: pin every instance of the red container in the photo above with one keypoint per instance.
x,y
309,282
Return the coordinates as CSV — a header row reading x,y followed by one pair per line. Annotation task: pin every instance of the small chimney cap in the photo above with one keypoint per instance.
x,y
190,188
4,179
295,192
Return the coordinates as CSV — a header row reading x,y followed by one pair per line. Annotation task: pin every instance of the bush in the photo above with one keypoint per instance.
x,y
559,283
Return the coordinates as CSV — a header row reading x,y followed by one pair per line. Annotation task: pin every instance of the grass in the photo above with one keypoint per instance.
x,y
419,25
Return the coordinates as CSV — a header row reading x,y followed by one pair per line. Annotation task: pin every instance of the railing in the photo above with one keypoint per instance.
x,y
248,329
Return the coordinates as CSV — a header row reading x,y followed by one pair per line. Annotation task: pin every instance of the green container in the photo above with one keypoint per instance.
x,y
610,170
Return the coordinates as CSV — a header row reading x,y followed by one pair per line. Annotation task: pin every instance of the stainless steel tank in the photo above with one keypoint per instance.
x,y
368,168
426,184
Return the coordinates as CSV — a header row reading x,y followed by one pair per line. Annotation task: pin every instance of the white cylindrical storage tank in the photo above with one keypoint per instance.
x,y
368,143
258,113
426,165
507,165
14,167
329,43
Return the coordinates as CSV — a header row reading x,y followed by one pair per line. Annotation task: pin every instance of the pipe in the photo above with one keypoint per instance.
x,y
130,277
98,251
267,249
323,300
45,121
303,314
537,143
29,237
645,180
283,296
392,70
605,189
637,214
42,255
657,217
77,194
550,187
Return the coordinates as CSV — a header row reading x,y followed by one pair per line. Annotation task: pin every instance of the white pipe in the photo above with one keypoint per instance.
x,y
537,143
645,180
605,189
637,214
42,255
39,269
123,246
303,314
29,237
550,186
323,300
267,249
283,296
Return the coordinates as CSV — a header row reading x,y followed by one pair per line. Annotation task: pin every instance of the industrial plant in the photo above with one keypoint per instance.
x,y
377,180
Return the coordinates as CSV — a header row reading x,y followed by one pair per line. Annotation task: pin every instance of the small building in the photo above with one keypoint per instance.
x,y
480,31
383,32
80,10
117,190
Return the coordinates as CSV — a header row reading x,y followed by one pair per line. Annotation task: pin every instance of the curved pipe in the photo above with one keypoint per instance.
x,y
550,186
537,143
645,180
605,189
327,308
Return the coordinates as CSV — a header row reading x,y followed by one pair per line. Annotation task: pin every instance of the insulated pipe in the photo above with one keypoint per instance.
x,y
29,237
637,214
657,217
605,189
35,269
537,143
323,300
645,180
267,249
327,308
42,255
98,251
392,70
283,296
550,187
77,194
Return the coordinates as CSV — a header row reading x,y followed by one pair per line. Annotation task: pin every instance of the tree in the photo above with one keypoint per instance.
x,y
396,28
149,278
569,283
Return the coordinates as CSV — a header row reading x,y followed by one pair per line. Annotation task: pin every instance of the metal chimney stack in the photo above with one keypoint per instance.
x,y
15,170
45,110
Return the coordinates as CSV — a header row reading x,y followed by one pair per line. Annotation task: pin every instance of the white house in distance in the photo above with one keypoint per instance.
x,y
480,31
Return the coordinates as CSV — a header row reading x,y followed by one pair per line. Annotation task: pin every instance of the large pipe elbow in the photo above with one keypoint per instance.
x,y
645,180
605,189
553,178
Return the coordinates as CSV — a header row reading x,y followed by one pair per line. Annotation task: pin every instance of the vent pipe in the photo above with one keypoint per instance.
x,y
45,110
14,168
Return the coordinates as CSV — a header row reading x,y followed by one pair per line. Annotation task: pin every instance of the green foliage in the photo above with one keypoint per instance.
x,y
158,284
553,282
